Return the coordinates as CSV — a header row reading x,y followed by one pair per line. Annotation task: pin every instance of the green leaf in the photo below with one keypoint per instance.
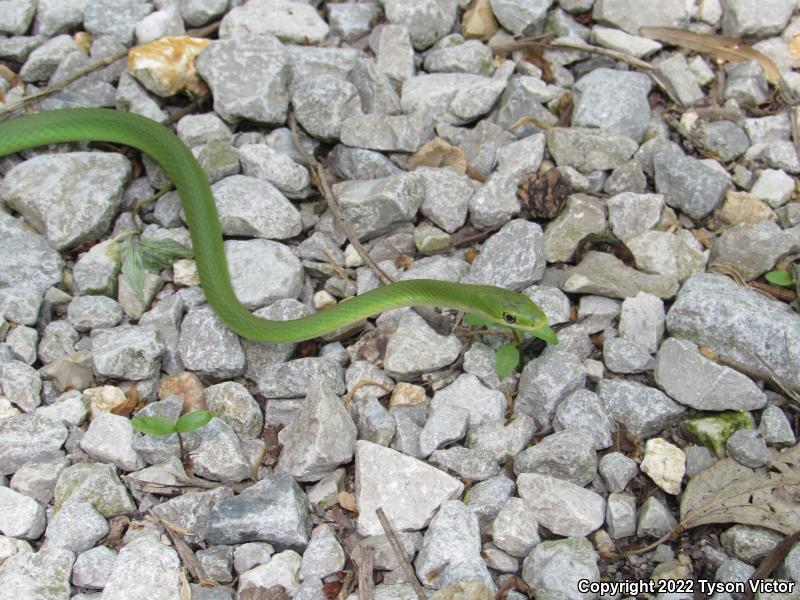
x,y
506,360
193,420
160,254
479,321
154,425
132,268
781,278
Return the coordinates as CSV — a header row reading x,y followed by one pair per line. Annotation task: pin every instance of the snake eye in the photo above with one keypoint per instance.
x,y
509,318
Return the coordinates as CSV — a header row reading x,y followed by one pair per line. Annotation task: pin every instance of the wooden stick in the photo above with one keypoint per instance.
x,y
401,557
366,586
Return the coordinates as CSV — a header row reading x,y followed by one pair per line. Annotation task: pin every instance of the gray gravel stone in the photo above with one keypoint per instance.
x,y
654,519
697,459
454,98
446,424
688,184
221,455
621,515
292,379
467,392
512,258
37,479
394,54
21,384
233,403
503,441
273,510
774,427
89,193
281,570
217,562
559,566
206,346
696,381
562,507
189,511
320,438
28,267
589,149
377,206
250,206
44,60
77,527
96,271
545,382
358,163
29,438
20,516
96,483
486,498
324,555
352,20
408,490
58,340
393,133
17,16
627,14
459,56
748,18
679,80
748,447
515,528
725,139
85,313
447,196
289,23
322,105
263,271
581,410
40,576
469,464
415,348
748,544
496,202
605,274
127,352
150,556
582,215
524,97
569,455
93,568
109,439
622,355
200,12
773,187
614,100
643,410
747,84
617,471
451,549
256,88
753,247
709,311
426,21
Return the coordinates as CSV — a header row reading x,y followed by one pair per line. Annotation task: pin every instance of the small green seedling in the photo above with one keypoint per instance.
x,y
146,254
507,357
160,426
780,278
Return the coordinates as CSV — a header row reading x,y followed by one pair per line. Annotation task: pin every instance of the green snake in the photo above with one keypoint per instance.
x,y
500,306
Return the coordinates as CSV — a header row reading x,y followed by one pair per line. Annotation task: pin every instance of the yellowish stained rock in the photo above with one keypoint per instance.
x,y
166,66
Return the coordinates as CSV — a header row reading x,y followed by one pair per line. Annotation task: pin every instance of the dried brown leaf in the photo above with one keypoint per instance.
x,y
719,47
728,492
438,153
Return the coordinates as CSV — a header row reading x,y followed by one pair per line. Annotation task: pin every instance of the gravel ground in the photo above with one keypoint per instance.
x,y
636,187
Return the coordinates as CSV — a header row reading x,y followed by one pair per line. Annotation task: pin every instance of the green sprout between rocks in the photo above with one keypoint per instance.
x,y
161,426
140,254
507,356
780,278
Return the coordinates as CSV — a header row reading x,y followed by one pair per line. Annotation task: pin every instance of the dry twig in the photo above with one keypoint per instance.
x,y
366,587
184,551
401,557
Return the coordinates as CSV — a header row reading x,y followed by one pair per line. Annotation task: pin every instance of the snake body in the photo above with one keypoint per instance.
x,y
104,125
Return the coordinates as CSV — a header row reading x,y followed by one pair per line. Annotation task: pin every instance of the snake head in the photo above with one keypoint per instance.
x,y
517,311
